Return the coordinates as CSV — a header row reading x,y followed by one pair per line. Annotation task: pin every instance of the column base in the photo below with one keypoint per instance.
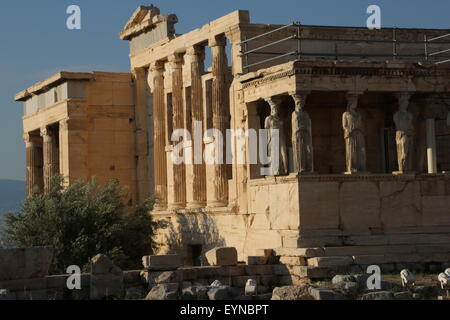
x,y
196,205
176,206
403,172
215,204
356,172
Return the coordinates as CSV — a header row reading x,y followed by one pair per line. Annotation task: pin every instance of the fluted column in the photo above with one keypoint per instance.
x,y
141,135
220,108
51,156
179,172
198,176
32,162
159,135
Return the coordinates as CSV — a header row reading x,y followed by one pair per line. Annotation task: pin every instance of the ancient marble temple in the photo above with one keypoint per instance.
x,y
363,139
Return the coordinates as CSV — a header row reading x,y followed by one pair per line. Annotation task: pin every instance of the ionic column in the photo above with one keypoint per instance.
x,y
198,174
51,156
220,107
431,146
179,172
32,174
159,135
141,136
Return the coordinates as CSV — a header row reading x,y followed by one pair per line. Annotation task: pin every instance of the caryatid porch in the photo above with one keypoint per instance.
x,y
332,199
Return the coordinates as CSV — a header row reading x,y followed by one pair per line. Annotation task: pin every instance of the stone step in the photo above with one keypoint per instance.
x,y
362,250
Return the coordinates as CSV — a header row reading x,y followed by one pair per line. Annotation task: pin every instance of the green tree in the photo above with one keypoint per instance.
x,y
80,221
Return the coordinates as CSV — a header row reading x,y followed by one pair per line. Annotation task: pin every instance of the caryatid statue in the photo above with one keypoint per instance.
x,y
277,150
355,146
301,136
404,133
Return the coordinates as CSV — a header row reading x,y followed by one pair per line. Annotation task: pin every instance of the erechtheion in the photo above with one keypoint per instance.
x,y
363,175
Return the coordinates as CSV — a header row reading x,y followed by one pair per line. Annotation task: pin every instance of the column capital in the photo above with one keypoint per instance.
x,y
175,60
45,132
155,71
64,124
28,138
299,94
196,52
273,100
217,41
299,97
139,73
156,67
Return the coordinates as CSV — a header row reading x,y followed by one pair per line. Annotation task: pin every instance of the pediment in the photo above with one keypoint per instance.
x,y
141,15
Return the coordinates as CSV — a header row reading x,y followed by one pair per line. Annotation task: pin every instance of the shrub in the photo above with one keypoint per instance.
x,y
80,221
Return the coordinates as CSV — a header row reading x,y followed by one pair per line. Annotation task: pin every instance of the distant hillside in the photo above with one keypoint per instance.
x,y
12,193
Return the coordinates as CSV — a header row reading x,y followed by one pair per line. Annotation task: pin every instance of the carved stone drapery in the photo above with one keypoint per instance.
x,y
404,133
302,136
355,145
277,150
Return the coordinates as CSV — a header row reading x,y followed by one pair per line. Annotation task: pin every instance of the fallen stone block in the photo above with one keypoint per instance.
x,y
106,279
311,272
292,293
219,293
338,279
165,277
7,295
25,263
195,293
162,262
350,288
102,265
330,262
324,294
225,256
166,291
378,295
293,261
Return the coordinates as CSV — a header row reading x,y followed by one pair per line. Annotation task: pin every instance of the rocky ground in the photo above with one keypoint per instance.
x,y
341,287
354,287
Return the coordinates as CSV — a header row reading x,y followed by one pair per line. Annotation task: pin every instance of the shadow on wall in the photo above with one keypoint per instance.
x,y
190,236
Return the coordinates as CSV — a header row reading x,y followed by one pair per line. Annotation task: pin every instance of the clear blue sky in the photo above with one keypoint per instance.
x,y
35,43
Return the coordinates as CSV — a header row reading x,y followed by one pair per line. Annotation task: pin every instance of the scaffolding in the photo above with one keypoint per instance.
x,y
296,28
